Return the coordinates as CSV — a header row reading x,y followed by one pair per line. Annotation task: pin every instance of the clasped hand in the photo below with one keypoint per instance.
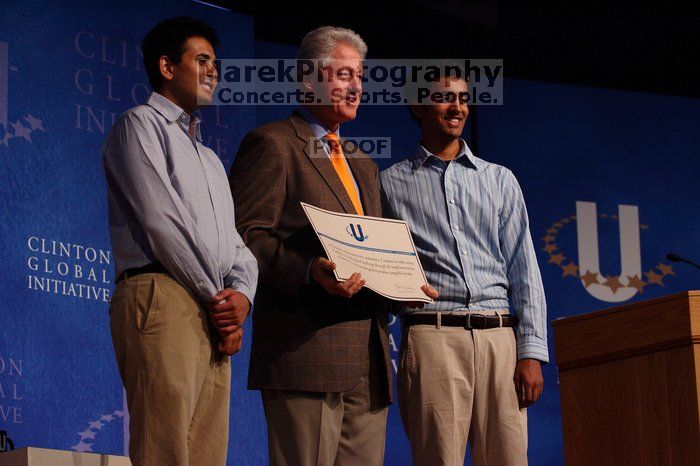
x,y
228,311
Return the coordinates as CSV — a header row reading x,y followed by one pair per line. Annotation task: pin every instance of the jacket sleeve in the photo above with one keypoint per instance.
x,y
258,179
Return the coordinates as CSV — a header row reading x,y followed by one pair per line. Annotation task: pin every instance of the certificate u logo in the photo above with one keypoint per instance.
x,y
358,235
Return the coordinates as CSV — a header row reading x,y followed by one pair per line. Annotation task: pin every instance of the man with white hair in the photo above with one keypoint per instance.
x,y
320,352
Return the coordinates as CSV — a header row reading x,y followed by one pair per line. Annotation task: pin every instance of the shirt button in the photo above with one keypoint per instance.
x,y
452,201
464,252
456,227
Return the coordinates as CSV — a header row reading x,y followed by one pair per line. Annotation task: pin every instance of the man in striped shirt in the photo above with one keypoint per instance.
x,y
464,374
185,280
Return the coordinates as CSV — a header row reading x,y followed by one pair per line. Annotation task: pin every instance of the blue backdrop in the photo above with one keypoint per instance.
x,y
66,71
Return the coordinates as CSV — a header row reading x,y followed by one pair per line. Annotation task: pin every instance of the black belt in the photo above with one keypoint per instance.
x,y
466,320
153,267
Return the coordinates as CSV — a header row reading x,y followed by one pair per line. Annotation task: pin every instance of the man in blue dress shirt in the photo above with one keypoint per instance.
x,y
185,280
465,375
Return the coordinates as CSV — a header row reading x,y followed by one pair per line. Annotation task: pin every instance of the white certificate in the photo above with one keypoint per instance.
x,y
380,249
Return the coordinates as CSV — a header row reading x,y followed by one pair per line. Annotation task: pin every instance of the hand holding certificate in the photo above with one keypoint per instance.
x,y
380,249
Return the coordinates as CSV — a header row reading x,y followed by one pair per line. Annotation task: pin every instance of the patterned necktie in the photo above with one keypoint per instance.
x,y
341,168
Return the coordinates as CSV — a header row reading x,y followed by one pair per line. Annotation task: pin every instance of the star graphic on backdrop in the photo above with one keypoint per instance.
x,y
589,278
81,447
654,277
107,417
556,258
612,282
118,413
550,248
569,269
635,282
655,274
34,123
95,425
21,131
87,434
665,269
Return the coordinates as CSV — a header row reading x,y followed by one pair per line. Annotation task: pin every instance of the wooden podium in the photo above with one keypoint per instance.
x,y
629,379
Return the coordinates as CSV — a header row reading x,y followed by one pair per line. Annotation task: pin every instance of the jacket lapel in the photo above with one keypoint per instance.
x,y
319,159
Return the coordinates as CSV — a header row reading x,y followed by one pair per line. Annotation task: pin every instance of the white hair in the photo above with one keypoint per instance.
x,y
320,43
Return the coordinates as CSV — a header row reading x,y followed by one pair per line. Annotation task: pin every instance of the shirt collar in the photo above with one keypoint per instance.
x,y
464,156
173,113
319,129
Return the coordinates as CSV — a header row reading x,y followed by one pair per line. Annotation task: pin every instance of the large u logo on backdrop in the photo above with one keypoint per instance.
x,y
588,253
610,288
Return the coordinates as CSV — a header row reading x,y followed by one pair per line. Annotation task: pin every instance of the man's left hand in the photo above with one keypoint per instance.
x,y
229,310
429,291
529,382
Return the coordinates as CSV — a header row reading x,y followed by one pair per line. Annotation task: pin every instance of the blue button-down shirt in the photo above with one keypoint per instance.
x,y
170,202
470,227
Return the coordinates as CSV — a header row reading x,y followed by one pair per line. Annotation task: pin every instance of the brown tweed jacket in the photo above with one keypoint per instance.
x,y
303,338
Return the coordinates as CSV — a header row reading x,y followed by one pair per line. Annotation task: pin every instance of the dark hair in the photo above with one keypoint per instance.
x,y
445,69
169,38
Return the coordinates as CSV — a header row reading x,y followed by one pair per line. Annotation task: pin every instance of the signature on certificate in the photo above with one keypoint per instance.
x,y
402,287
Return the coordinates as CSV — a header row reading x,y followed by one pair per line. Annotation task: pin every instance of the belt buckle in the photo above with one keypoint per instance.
x,y
471,316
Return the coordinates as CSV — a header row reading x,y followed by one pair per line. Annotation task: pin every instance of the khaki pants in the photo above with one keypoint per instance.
x,y
324,429
177,386
456,386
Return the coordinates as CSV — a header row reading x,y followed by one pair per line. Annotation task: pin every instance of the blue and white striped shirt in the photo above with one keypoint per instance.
x,y
470,227
170,202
